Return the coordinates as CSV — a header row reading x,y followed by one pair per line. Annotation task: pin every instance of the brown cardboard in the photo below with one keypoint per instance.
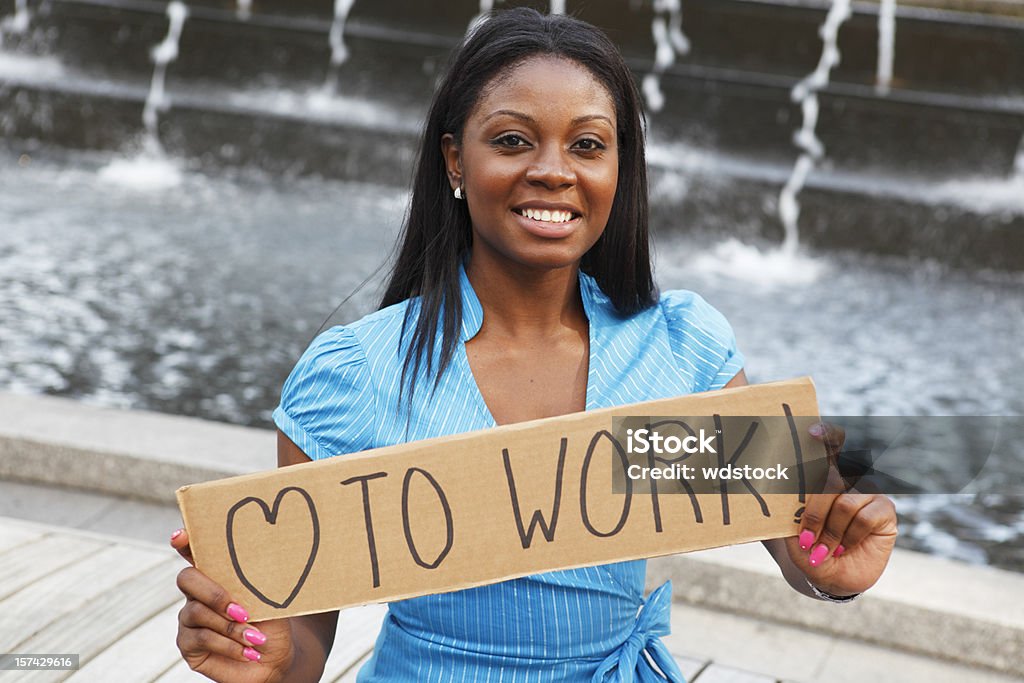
x,y
440,515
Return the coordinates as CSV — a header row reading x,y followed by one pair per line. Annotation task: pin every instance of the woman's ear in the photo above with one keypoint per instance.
x,y
452,160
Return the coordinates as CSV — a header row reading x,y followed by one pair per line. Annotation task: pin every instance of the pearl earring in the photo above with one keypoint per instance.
x,y
458,192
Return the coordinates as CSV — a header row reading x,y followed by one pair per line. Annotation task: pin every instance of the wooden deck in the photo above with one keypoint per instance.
x,y
114,603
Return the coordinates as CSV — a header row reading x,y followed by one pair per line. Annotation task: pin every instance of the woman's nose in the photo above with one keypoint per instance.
x,y
551,168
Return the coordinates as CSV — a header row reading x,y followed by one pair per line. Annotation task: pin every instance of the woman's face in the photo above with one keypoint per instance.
x,y
538,164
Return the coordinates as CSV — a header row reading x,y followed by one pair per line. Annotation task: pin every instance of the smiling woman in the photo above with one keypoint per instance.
x,y
539,176
536,113
522,290
529,164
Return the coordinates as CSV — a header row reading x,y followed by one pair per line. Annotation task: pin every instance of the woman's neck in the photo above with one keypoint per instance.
x,y
528,303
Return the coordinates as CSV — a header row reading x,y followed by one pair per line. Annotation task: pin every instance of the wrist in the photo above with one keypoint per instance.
x,y
283,668
305,658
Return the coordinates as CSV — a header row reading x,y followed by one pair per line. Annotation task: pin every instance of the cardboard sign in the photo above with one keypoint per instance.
x,y
476,508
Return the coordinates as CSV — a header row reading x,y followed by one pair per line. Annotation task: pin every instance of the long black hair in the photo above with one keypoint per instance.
x,y
437,230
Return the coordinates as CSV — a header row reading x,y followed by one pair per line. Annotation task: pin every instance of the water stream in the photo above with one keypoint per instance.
x,y
669,41
805,93
786,264
886,46
243,9
339,50
163,54
17,23
151,168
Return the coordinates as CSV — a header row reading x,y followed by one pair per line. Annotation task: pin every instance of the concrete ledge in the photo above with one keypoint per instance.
x,y
138,454
968,614
922,604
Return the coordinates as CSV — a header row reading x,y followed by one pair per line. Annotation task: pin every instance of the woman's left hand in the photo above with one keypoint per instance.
x,y
846,537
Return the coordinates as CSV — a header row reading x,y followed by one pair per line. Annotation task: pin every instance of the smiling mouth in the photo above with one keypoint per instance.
x,y
548,216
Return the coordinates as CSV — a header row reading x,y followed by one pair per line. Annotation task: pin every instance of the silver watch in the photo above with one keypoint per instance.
x,y
828,597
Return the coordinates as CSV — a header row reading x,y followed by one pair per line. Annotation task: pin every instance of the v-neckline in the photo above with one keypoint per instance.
x,y
469,378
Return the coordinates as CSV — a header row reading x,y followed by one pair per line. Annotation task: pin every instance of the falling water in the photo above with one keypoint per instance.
x,y
16,23
152,169
19,22
987,194
162,55
669,41
339,52
485,10
557,6
786,265
806,94
243,9
1018,164
886,45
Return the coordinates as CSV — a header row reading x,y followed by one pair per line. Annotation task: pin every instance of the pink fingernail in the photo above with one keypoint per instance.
x,y
251,654
176,534
838,551
819,554
806,539
816,429
254,636
237,613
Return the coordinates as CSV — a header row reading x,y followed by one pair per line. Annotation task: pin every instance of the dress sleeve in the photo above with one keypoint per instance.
x,y
702,340
327,402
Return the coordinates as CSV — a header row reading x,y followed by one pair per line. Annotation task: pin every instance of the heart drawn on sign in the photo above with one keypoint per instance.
x,y
270,515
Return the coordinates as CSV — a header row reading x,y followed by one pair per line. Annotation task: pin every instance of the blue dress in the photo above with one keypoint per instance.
x,y
589,624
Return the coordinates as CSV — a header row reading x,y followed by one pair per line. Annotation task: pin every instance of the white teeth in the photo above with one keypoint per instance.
x,y
548,216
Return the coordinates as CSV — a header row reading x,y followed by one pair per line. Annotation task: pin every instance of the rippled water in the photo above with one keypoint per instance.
x,y
197,300
884,337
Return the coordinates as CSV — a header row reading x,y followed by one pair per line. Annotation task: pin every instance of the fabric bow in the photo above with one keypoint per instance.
x,y
628,664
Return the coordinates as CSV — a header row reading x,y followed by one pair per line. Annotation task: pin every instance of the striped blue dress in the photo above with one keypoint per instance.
x,y
590,624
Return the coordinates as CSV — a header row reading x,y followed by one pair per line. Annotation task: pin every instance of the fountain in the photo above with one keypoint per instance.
x,y
886,45
786,266
151,169
336,38
669,41
162,55
722,108
806,94
243,9
17,23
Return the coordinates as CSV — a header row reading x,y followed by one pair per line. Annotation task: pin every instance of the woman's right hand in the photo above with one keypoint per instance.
x,y
214,635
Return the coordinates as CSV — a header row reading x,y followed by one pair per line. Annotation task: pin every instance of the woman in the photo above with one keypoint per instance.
x,y
522,290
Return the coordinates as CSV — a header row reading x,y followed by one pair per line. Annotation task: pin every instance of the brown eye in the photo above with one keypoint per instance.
x,y
589,145
510,140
